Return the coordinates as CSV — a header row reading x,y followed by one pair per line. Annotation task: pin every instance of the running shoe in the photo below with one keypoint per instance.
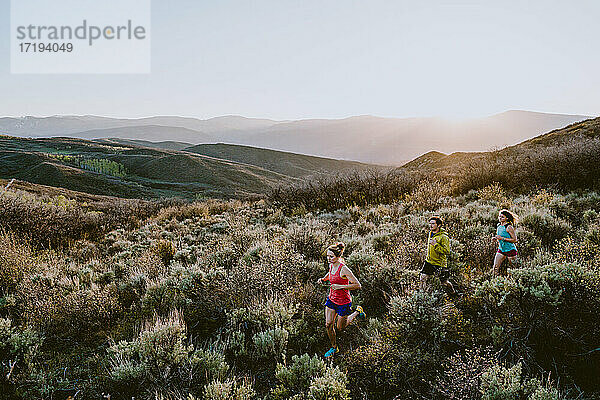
x,y
361,313
331,352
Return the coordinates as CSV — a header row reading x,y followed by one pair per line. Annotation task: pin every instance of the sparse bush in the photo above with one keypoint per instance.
x,y
462,374
308,242
330,386
16,261
159,359
427,195
345,190
542,198
546,227
229,390
165,250
296,378
493,193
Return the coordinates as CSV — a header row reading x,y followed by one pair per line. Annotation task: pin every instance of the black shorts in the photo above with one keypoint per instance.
x,y
431,269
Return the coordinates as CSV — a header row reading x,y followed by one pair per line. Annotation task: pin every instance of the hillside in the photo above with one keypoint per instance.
x,y
141,169
571,134
564,160
129,171
291,164
220,300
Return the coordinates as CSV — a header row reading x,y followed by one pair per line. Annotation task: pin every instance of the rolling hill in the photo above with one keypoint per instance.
x,y
127,169
291,164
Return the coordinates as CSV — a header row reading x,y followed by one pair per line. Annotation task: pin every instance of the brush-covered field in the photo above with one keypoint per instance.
x,y
219,300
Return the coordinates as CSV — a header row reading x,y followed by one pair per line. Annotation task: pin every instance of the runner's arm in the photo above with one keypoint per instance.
x,y
442,245
324,279
513,235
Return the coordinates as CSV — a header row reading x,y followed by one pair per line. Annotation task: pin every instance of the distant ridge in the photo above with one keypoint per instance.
x,y
149,133
166,145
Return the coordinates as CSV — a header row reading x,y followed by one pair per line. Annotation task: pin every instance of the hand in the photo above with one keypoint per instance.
x,y
498,237
433,242
321,281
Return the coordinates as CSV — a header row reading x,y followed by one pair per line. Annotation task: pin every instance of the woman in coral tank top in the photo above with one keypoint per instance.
x,y
339,301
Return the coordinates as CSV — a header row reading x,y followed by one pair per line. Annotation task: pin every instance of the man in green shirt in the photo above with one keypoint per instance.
x,y
438,249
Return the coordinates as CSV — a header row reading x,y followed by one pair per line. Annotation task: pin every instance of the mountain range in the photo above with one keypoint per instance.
x,y
368,139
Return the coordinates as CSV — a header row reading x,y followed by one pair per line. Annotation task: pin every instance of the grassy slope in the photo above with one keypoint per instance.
x,y
292,164
586,129
151,173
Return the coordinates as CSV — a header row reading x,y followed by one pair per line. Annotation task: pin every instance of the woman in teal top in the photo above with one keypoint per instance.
x,y
506,238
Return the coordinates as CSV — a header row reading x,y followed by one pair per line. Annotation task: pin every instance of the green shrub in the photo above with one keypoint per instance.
x,y
16,261
159,359
229,390
73,312
527,243
500,383
554,310
199,294
359,260
165,250
419,317
296,378
270,344
548,228
573,206
408,351
308,242
330,386
461,378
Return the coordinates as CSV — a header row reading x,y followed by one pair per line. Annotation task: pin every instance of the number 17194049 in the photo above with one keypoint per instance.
x,y
46,47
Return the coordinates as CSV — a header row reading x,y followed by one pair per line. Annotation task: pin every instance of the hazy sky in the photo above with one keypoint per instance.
x,y
297,59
